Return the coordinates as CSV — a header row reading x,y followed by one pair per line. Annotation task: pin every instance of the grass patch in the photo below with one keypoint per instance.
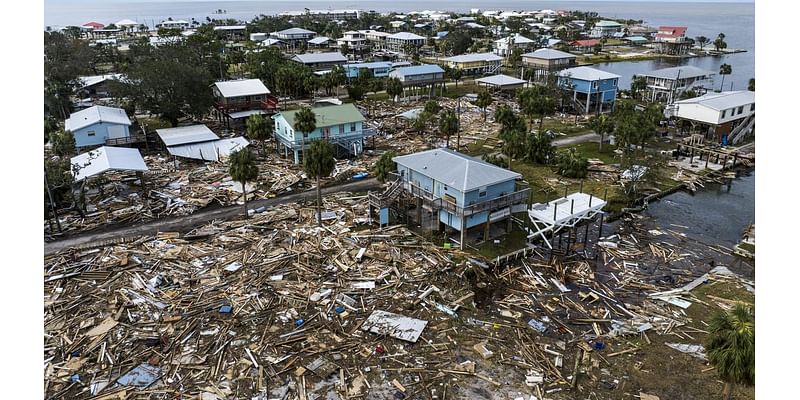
x,y
565,128
592,150
460,90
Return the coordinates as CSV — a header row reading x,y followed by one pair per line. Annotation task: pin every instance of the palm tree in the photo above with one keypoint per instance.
x,y
513,135
258,129
319,163
484,100
243,169
384,166
505,116
724,69
394,88
731,347
536,101
305,121
602,124
702,41
638,83
719,43
448,125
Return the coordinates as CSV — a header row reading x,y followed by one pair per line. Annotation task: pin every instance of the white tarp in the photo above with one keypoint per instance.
x,y
209,151
107,158
395,325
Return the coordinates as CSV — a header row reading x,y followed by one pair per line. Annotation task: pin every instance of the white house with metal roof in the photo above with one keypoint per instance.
x,y
475,63
505,46
400,41
543,62
106,158
242,98
667,84
96,125
464,191
604,29
717,114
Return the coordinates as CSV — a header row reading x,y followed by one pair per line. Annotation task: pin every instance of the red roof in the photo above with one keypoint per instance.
x,y
586,43
93,25
671,31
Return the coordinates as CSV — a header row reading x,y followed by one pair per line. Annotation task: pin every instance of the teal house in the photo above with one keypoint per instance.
x,y
98,126
342,126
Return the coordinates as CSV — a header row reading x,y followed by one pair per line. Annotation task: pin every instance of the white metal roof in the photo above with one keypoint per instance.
x,y
319,40
587,74
270,42
549,54
684,71
230,28
517,38
295,31
405,36
417,70
501,80
186,134
243,87
209,151
94,115
566,209
474,57
456,170
95,79
127,22
310,58
246,113
723,100
107,158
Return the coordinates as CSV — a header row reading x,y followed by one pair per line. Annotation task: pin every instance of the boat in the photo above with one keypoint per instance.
x,y
360,175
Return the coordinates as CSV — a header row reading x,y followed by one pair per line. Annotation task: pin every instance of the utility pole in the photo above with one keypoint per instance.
x,y
458,124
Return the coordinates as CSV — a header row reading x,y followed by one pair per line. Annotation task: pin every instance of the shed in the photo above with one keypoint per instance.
x,y
107,158
502,82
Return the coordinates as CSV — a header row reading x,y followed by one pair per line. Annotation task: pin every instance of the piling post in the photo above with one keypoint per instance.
x,y
555,209
586,233
581,186
572,206
565,191
605,195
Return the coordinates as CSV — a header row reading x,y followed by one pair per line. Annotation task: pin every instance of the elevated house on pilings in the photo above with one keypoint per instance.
x,y
667,84
237,100
418,78
726,117
475,63
449,191
593,90
544,62
341,125
672,40
565,214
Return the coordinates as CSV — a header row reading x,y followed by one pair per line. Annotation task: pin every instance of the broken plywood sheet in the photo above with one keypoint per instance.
x,y
395,325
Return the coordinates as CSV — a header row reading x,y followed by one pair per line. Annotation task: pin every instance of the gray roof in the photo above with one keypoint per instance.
x,y
474,57
295,31
587,74
501,80
548,54
405,36
418,70
312,58
686,71
723,100
94,115
243,87
186,134
456,170
370,65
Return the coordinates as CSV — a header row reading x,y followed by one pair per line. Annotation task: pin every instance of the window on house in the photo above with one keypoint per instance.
x,y
90,133
753,107
341,129
352,127
723,113
740,110
482,192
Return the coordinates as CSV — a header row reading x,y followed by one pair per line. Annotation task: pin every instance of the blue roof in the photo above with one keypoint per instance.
x,y
419,69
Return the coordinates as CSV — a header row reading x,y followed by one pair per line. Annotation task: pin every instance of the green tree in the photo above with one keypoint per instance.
x,y
243,169
572,164
432,107
345,49
513,134
638,85
355,92
484,100
539,148
536,101
336,77
305,121
167,81
689,94
394,88
719,42
319,163
258,128
453,73
384,166
448,125
602,125
702,41
751,85
731,347
724,69
63,143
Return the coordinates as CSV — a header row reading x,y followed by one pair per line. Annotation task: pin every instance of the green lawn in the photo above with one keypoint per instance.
x,y
568,128
592,150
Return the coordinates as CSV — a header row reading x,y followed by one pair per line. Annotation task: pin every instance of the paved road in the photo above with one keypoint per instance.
x,y
586,137
186,223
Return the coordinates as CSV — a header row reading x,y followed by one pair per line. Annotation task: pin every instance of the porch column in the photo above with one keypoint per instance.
x,y
486,229
463,232
296,157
